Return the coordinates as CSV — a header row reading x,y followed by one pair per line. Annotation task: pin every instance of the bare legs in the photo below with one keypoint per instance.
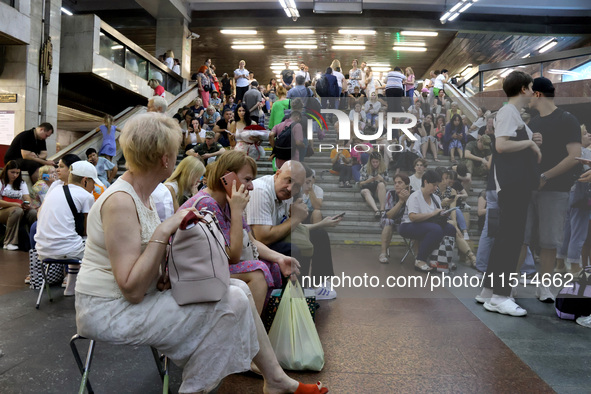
x,y
258,286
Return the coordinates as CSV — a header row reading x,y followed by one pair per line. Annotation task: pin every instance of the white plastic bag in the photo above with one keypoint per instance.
x,y
293,334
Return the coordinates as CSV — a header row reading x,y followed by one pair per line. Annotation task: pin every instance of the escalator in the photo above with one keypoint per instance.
x,y
94,138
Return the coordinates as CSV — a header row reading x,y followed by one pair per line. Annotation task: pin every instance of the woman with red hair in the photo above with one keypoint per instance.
x,y
204,84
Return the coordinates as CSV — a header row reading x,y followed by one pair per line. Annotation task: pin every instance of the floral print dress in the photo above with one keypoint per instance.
x,y
271,271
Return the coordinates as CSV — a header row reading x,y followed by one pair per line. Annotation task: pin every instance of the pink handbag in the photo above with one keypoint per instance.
x,y
198,262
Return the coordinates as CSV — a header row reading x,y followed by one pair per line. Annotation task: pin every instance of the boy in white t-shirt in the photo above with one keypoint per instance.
x,y
56,235
515,174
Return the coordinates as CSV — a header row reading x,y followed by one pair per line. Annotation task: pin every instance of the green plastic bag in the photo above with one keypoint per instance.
x,y
293,334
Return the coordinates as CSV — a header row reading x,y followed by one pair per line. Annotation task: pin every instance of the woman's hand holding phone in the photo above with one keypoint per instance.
x,y
239,198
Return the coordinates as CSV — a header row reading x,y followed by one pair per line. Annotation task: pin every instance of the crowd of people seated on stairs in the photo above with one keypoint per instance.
x,y
118,283
127,229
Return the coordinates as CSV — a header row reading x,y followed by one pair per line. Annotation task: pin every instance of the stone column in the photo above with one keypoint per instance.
x,y
47,111
171,34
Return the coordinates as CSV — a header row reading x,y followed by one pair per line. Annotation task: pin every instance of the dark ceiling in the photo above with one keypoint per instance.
x,y
491,31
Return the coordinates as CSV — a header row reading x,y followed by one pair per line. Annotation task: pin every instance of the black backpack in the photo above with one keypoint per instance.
x,y
282,148
322,87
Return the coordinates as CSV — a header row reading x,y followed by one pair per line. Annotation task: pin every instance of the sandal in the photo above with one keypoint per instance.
x,y
422,266
311,389
28,280
383,258
471,259
341,185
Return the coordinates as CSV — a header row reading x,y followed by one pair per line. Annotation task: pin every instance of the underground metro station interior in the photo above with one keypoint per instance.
x,y
71,62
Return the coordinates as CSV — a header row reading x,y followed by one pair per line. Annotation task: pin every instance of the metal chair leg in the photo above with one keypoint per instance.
x,y
162,364
409,246
45,276
40,293
84,368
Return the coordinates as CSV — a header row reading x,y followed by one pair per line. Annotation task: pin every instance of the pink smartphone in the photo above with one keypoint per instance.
x,y
227,182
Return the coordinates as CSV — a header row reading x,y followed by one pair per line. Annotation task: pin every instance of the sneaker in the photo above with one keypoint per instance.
x,y
27,280
506,307
453,266
65,282
584,321
544,294
467,207
466,236
323,293
10,247
484,296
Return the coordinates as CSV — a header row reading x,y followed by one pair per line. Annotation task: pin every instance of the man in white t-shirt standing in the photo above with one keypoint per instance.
x,y
302,71
515,172
57,235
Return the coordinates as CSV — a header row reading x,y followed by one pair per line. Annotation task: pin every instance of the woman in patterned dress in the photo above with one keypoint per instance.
x,y
259,274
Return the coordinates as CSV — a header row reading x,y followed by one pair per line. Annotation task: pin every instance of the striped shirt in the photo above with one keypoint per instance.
x,y
394,80
264,208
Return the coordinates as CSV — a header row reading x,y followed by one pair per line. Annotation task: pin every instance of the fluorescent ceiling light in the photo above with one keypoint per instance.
x,y
411,44
248,47
465,7
66,11
239,32
300,46
445,16
351,47
491,82
290,9
455,7
295,31
548,45
357,32
410,49
454,16
506,72
466,70
302,42
117,47
526,56
419,33
555,71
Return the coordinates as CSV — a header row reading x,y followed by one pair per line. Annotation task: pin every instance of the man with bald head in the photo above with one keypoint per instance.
x,y
272,212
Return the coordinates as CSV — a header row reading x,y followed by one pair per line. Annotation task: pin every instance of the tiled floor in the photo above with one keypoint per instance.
x,y
375,340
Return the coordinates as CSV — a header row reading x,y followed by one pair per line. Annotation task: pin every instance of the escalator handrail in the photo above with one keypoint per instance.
x,y
463,101
119,119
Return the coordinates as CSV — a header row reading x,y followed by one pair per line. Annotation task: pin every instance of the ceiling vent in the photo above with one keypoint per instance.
x,y
338,6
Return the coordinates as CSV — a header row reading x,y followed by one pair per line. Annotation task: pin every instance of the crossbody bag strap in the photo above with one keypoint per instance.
x,y
70,201
435,202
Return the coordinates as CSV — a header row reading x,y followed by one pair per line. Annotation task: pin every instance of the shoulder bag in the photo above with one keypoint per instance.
x,y
198,262
78,216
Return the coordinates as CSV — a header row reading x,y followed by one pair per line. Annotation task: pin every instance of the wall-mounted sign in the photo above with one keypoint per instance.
x,y
8,97
6,127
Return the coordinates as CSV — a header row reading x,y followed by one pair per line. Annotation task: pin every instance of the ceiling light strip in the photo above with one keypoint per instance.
x,y
239,32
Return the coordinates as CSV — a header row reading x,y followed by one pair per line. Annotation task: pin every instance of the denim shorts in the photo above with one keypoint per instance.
x,y
547,211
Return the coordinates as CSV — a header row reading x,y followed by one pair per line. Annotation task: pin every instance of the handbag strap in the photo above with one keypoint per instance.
x,y
435,202
70,201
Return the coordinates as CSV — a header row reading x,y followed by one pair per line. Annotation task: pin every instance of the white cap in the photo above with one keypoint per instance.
x,y
87,170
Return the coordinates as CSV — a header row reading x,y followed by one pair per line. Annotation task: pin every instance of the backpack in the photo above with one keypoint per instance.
x,y
322,87
575,300
282,148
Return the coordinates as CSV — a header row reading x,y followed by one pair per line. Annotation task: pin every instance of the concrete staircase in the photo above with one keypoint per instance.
x,y
358,226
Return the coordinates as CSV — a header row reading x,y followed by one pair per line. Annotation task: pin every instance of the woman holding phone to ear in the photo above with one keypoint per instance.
x,y
250,260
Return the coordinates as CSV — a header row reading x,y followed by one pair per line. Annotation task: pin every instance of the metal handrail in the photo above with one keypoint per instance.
x,y
90,138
